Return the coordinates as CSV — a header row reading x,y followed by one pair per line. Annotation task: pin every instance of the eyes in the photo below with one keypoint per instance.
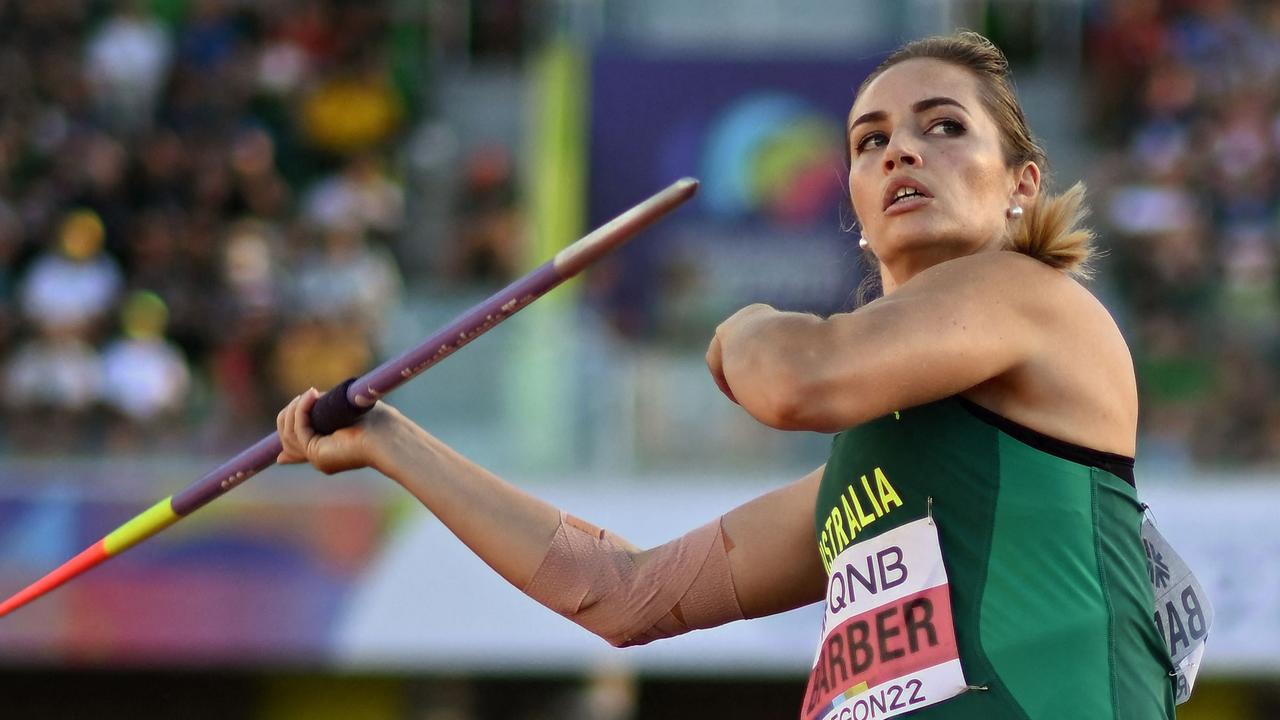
x,y
945,127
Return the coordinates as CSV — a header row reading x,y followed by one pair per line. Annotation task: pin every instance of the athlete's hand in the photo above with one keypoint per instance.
x,y
715,363
347,449
728,339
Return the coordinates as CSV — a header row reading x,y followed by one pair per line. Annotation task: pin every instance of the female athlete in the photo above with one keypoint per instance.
x,y
974,533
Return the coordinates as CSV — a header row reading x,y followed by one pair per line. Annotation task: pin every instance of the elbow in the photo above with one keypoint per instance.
x,y
795,400
782,409
622,643
810,401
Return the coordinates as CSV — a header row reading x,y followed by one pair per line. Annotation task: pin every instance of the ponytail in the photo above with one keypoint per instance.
x,y
1052,231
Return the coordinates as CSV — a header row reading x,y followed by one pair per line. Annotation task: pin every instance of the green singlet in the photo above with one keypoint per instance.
x,y
1040,539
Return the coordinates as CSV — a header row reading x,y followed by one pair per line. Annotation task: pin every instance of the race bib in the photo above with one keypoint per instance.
x,y
888,639
1183,612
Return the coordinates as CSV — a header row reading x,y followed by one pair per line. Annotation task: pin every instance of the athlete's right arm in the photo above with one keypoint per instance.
x,y
758,559
775,561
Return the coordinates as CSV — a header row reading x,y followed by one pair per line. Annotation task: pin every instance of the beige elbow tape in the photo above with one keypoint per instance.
x,y
681,586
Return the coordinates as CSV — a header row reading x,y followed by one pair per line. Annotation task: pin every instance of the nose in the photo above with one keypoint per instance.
x,y
901,151
901,156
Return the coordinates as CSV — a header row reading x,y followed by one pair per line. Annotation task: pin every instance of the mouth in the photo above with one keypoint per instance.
x,y
905,194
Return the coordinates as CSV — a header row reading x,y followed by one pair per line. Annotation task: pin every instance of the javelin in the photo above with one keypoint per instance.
x,y
344,404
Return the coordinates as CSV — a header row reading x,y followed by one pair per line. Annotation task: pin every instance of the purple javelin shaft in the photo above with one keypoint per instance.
x,y
466,327
380,381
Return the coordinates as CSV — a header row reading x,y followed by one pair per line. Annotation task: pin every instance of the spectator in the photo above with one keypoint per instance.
x,y
76,285
361,196
210,37
349,280
126,62
353,111
51,385
253,292
1192,216
319,352
160,145
145,377
488,234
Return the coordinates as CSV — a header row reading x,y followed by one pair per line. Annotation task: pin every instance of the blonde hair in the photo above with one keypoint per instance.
x,y
1051,229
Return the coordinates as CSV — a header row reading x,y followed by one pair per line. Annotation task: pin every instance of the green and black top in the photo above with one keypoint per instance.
x,y
1041,541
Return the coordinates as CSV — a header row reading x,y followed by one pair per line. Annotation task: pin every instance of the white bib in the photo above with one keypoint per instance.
x,y
1183,612
888,638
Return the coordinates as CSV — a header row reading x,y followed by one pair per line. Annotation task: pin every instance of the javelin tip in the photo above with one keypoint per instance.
x,y
74,567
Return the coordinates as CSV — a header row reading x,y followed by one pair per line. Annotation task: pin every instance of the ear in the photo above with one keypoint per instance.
x,y
1027,184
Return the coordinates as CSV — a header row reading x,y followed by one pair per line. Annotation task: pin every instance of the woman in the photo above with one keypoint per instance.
x,y
977,532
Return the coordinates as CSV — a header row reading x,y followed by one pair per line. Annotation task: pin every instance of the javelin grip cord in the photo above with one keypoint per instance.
x,y
333,411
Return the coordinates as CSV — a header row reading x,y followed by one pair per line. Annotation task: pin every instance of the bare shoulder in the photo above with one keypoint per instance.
x,y
1020,334
1004,276
1047,301
1079,385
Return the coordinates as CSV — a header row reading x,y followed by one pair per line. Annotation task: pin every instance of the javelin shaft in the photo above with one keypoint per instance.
x,y
360,394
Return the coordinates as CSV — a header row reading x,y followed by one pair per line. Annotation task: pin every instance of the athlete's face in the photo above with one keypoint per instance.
x,y
921,125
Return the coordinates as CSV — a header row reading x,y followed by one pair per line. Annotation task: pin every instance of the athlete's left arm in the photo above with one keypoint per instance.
x,y
949,328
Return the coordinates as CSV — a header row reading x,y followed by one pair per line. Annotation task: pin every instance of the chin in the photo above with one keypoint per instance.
x,y
929,238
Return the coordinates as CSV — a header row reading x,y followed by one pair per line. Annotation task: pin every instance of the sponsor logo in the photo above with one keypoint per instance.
x,y
888,638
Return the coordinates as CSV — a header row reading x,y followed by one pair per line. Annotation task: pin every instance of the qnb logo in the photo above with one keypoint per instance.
x,y
884,570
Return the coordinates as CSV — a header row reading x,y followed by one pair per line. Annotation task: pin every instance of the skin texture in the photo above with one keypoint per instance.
x,y
959,316
954,151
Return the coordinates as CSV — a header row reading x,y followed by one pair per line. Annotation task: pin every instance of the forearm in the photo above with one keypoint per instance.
x,y
768,357
506,527
586,574
589,575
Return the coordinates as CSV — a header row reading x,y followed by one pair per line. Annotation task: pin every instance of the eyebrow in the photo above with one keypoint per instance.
x,y
919,107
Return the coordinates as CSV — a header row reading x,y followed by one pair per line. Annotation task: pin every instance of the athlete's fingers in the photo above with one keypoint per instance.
x,y
289,452
292,452
715,364
283,456
307,436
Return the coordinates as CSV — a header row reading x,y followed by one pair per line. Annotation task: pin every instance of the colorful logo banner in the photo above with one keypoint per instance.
x,y
771,222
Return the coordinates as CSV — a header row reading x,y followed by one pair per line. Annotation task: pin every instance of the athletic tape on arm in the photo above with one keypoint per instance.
x,y
684,585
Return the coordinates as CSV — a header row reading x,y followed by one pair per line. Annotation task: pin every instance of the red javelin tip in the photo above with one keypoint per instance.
x,y
77,565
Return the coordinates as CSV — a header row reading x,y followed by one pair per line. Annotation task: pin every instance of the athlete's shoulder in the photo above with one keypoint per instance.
x,y
1003,268
1005,277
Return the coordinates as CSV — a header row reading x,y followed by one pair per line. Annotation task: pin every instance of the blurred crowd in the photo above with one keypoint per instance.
x,y
196,212
1188,101
201,202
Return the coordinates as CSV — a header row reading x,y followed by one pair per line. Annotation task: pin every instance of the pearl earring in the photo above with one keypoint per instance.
x,y
862,242
1014,213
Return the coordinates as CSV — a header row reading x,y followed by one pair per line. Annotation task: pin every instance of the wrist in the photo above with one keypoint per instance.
x,y
391,441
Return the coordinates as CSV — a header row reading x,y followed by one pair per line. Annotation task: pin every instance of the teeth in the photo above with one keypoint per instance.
x,y
904,192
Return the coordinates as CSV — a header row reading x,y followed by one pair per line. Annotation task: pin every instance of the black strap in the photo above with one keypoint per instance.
x,y
1119,465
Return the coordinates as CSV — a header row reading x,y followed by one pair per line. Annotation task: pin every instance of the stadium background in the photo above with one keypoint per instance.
x,y
208,205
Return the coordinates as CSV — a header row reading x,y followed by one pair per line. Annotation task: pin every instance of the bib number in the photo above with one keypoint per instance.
x,y
888,637
1183,612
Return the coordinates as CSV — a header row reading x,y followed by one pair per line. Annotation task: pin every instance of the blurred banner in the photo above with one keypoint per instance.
x,y
261,577
766,138
336,573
